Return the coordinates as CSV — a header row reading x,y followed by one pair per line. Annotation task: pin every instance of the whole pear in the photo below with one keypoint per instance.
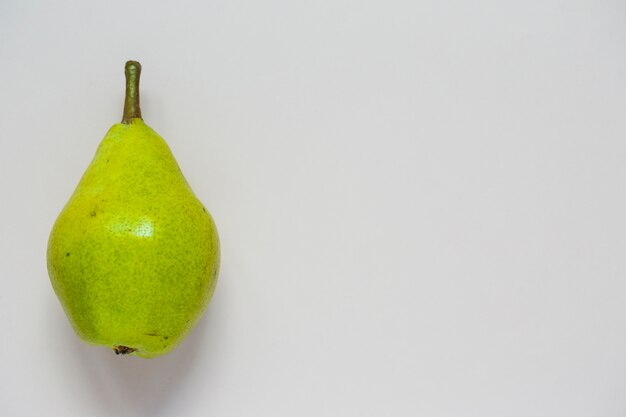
x,y
133,256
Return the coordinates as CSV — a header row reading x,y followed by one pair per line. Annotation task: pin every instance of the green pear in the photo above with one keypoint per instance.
x,y
133,256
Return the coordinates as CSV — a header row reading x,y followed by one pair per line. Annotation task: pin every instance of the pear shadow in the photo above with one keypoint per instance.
x,y
126,385
140,386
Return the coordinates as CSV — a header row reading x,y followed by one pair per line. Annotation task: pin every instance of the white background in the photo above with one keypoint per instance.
x,y
421,203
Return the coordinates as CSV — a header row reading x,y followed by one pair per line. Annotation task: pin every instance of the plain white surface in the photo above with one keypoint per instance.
x,y
421,204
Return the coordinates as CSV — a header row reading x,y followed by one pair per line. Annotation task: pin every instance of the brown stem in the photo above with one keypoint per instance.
x,y
131,102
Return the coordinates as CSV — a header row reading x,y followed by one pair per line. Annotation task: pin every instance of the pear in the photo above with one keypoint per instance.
x,y
133,256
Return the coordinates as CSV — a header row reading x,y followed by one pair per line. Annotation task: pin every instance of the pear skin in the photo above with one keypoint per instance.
x,y
133,256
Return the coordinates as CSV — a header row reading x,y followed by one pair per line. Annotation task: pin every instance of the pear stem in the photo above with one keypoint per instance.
x,y
132,70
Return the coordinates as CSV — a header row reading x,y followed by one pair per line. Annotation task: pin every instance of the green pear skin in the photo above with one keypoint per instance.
x,y
133,256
